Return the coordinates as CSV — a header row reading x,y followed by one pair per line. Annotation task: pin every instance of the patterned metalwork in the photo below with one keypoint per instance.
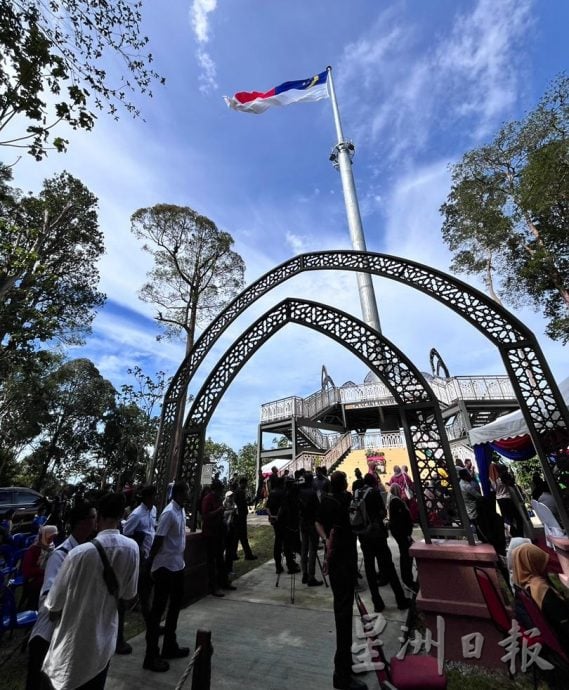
x,y
544,409
421,416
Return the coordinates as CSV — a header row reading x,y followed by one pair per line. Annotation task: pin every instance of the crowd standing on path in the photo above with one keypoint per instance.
x,y
83,583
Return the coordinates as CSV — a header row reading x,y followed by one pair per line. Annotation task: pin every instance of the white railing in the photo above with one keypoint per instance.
x,y
309,461
473,388
281,409
378,439
446,390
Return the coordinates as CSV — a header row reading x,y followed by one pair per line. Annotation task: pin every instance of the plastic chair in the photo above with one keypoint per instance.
x,y
550,525
547,636
499,614
10,619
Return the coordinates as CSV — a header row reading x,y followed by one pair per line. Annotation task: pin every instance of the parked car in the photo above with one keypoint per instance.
x,y
23,501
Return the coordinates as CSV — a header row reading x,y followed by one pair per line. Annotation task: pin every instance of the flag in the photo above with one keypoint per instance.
x,y
306,90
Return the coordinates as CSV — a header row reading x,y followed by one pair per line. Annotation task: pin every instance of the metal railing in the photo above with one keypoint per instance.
x,y
378,439
308,461
447,391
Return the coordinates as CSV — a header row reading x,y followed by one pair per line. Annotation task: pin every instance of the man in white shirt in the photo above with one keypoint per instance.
x,y
83,523
141,523
166,563
84,640
140,526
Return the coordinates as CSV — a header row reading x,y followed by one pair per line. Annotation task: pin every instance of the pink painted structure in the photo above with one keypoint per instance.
x,y
449,589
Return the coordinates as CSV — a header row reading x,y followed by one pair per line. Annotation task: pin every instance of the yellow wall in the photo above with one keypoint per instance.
x,y
357,458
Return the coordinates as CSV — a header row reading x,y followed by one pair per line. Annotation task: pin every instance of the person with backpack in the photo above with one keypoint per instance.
x,y
367,514
83,525
83,598
309,505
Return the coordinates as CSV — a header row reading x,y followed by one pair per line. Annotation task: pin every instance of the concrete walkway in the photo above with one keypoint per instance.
x,y
261,640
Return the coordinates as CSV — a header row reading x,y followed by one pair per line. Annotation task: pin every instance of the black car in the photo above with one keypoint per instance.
x,y
23,501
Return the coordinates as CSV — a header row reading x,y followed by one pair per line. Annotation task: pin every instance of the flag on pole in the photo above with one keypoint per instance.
x,y
306,90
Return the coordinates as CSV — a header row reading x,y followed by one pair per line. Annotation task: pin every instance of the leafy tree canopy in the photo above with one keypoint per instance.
x,y
49,247
196,272
221,455
77,401
246,463
54,66
507,215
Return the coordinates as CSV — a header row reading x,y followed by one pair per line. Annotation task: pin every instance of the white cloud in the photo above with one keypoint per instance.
x,y
406,89
199,15
200,21
207,77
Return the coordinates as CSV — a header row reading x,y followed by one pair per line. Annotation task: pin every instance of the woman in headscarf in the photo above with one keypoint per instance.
x,y
530,563
33,564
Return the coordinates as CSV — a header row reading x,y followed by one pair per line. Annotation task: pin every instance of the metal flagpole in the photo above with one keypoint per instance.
x,y
341,158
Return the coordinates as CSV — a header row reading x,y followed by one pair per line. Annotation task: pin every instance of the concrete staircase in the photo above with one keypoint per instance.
x,y
357,458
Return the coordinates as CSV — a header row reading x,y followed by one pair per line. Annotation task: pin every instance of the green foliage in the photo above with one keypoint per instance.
x,y
49,247
220,454
53,66
506,218
246,464
195,272
523,472
77,399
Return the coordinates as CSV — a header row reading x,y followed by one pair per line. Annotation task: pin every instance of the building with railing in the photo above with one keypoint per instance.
x,y
323,427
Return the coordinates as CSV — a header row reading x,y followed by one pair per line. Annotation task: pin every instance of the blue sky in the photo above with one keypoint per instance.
x,y
418,82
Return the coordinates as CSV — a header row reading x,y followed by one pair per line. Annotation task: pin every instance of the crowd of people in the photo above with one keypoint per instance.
x,y
81,577
109,556
306,508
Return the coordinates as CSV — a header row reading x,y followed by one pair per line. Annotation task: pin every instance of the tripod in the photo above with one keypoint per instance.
x,y
292,574
320,563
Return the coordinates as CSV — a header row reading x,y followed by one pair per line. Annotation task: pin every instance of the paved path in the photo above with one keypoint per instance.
x,y
261,640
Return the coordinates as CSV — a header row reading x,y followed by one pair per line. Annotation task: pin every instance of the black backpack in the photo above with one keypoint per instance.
x,y
359,518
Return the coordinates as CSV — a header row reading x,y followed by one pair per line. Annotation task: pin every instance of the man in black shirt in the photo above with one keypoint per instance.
x,y
283,522
333,525
309,506
241,521
375,547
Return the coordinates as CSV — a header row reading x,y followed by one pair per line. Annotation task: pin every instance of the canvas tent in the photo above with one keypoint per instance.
x,y
508,435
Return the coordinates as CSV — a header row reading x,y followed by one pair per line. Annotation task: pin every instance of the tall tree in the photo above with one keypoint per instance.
x,y
49,247
220,454
79,398
24,404
131,427
54,59
195,273
507,215
246,463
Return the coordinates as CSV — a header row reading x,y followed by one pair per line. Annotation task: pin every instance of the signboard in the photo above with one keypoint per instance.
x,y
207,473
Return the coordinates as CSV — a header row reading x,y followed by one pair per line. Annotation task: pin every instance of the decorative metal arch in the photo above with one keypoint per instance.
x,y
437,363
536,391
429,451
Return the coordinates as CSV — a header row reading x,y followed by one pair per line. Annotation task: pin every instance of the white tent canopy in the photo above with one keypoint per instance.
x,y
278,463
510,425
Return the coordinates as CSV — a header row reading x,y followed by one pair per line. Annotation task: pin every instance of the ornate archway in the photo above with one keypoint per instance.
x,y
421,418
533,384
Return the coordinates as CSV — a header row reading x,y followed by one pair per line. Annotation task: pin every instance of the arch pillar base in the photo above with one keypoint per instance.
x,y
449,589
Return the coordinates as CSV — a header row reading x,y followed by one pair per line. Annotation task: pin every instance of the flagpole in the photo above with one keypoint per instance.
x,y
341,158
